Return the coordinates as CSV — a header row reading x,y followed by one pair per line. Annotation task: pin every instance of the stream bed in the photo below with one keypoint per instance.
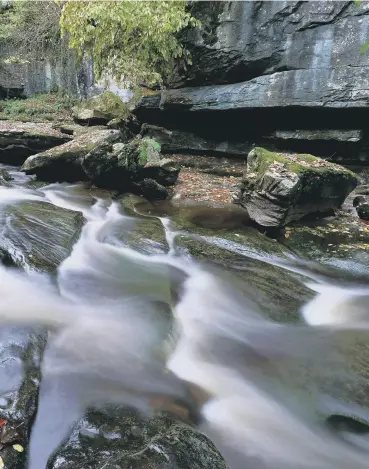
x,y
110,303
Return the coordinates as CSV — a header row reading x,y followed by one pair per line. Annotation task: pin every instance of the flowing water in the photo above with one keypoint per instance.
x,y
259,359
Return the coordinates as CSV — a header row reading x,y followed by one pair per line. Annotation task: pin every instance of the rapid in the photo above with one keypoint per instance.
x,y
154,329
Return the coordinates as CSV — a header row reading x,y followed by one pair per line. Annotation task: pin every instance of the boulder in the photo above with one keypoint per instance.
x,y
63,163
18,140
125,166
279,188
100,109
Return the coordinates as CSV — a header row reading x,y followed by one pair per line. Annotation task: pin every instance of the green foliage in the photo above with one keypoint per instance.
x,y
357,3
31,28
40,108
133,41
149,150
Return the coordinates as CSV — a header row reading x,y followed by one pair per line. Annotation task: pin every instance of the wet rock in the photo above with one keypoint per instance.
x,y
18,140
279,188
177,141
63,163
142,444
144,233
100,109
37,234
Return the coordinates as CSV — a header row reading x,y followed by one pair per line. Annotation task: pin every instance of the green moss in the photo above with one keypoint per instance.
x,y
108,104
148,147
269,157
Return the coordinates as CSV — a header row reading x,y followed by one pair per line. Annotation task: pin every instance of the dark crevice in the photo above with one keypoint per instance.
x,y
338,16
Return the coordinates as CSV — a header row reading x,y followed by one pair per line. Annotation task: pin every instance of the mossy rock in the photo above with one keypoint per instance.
x,y
135,166
64,162
100,109
278,188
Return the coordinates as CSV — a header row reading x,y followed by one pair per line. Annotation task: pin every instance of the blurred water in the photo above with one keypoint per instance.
x,y
127,327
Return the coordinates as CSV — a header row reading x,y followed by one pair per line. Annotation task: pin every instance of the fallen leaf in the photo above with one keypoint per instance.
x,y
1,463
18,448
3,422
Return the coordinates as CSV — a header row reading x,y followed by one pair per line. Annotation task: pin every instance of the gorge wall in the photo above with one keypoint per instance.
x,y
289,74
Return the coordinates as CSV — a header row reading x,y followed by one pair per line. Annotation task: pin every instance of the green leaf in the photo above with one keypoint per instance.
x,y
357,3
133,41
364,47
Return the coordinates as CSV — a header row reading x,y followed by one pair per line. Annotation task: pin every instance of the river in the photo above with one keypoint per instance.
x,y
259,346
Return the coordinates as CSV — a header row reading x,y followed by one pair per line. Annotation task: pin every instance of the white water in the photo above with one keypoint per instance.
x,y
111,342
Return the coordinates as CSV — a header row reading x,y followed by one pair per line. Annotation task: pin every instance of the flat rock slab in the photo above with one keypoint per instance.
x,y
63,163
341,87
341,135
18,140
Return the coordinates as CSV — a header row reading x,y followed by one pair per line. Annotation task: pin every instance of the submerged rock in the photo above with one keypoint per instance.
x,y
63,163
100,109
279,188
18,140
38,235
